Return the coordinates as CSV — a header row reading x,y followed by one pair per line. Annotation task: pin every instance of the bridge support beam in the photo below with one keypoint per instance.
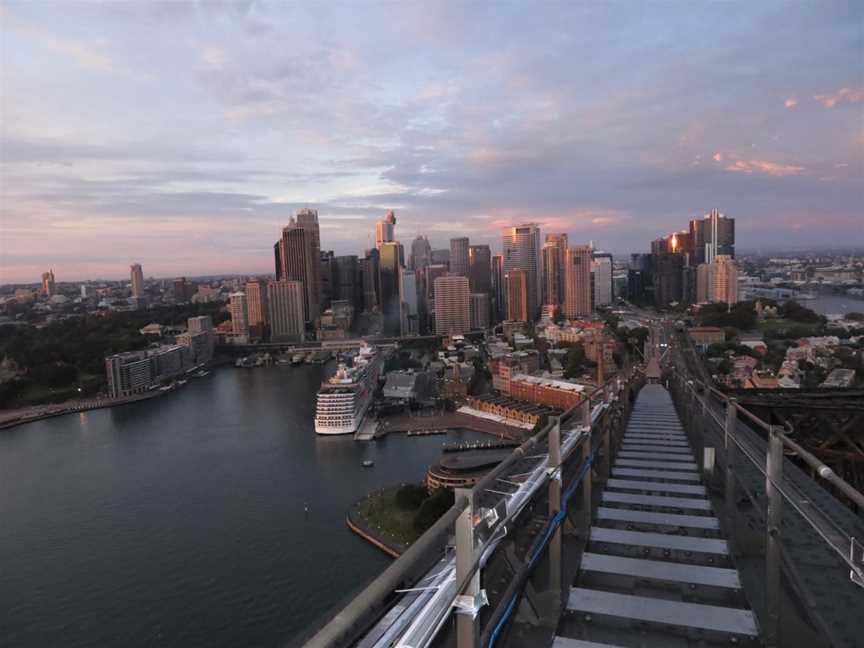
x,y
467,628
773,482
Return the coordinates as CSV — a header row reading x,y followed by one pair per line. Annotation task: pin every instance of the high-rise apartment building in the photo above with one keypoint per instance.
x,y
459,256
479,307
385,230
724,278
552,261
480,269
516,285
137,278
285,301
601,269
238,309
498,288
521,245
421,253
199,324
452,310
388,280
256,307
298,258
577,281
48,287
704,283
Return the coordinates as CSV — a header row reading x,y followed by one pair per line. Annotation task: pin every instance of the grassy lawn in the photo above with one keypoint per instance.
x,y
782,325
383,515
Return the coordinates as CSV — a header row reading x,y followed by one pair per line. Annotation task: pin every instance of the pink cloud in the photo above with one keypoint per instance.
x,y
764,167
790,102
843,95
718,157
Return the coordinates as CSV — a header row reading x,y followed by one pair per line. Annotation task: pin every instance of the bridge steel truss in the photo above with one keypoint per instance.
x,y
501,553
808,556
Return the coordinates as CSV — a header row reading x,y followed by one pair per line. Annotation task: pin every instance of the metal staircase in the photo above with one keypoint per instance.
x,y
656,571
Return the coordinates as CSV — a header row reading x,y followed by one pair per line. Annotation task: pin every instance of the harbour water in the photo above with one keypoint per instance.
x,y
182,521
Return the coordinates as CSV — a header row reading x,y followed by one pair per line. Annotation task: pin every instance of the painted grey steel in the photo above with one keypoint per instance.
x,y
658,500
630,447
656,487
564,642
773,483
661,570
657,436
662,540
641,608
659,456
669,465
660,519
656,474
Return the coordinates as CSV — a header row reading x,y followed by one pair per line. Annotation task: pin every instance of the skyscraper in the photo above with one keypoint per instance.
x,y
440,257
410,306
347,282
577,281
724,278
328,270
182,289
601,268
516,284
137,277
552,257
719,235
498,288
238,310
668,278
522,252
256,307
48,288
459,256
388,280
421,253
285,301
704,283
298,258
385,230
480,269
452,310
479,306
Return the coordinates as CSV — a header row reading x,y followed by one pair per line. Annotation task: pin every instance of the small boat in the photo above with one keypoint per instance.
x,y
202,373
368,463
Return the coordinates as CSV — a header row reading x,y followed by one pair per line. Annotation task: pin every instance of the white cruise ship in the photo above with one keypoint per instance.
x,y
344,398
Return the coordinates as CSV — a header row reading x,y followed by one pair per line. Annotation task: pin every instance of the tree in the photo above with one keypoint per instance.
x,y
575,362
411,496
433,508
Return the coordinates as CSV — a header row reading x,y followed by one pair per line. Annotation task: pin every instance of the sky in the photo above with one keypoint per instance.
x,y
183,135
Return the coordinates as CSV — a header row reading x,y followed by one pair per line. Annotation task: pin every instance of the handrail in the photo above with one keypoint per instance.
x,y
824,471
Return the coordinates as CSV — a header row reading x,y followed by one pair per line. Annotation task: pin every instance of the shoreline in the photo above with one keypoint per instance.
x,y
371,539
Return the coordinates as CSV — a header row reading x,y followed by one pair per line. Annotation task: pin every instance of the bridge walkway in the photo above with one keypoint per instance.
x,y
657,570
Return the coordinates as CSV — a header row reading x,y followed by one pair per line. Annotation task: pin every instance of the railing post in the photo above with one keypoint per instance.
x,y
586,481
467,628
555,504
729,444
773,481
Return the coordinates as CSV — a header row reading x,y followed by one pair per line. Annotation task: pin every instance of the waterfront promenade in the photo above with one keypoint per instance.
x,y
447,421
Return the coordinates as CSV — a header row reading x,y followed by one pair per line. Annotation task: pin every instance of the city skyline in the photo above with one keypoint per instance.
x,y
179,145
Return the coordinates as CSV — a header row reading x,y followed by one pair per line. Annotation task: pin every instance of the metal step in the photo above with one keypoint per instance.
x,y
660,540
659,456
661,519
641,608
655,487
564,642
658,500
631,447
661,570
669,465
647,439
657,474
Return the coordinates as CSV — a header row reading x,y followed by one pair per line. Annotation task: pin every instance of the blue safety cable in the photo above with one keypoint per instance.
x,y
551,525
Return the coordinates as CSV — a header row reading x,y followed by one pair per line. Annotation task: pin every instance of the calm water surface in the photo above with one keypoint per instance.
x,y
180,521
